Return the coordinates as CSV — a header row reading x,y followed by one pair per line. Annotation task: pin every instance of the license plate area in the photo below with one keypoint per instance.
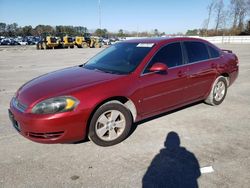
x,y
15,124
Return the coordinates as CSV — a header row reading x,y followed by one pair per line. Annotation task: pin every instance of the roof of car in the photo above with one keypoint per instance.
x,y
161,39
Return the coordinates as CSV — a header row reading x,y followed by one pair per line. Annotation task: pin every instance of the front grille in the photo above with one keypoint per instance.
x,y
18,105
50,135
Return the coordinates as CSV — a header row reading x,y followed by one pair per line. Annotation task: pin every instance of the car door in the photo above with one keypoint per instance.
x,y
160,91
201,70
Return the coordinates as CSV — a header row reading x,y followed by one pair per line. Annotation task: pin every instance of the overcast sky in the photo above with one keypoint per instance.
x,y
170,16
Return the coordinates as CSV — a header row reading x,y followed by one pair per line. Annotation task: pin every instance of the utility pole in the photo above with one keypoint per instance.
x,y
99,11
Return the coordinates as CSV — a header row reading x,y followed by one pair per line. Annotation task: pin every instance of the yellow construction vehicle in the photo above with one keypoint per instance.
x,y
95,42
81,42
67,42
48,42
87,41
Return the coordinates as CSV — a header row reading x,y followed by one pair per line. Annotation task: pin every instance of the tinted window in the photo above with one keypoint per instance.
x,y
213,52
171,55
120,58
196,51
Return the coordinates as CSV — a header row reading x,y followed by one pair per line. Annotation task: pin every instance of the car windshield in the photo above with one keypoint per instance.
x,y
120,58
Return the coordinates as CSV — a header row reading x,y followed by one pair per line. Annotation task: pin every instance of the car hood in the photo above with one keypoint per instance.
x,y
60,82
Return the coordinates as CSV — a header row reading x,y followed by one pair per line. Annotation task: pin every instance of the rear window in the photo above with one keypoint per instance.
x,y
196,51
213,52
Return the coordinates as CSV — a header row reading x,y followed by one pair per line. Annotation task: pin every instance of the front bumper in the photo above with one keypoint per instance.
x,y
64,127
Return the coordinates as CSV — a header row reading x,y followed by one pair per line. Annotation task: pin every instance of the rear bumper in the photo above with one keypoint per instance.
x,y
65,127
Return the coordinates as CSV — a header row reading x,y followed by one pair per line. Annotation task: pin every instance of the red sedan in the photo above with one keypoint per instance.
x,y
125,83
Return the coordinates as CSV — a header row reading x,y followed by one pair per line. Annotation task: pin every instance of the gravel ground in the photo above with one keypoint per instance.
x,y
210,136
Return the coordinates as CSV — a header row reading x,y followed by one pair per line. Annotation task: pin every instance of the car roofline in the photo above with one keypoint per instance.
x,y
159,40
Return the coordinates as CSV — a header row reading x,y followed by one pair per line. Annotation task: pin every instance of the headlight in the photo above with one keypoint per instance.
x,y
55,105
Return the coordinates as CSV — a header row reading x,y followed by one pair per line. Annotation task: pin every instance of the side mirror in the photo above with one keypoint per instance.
x,y
159,67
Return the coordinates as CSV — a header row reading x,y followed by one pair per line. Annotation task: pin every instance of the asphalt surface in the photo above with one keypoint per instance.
x,y
209,136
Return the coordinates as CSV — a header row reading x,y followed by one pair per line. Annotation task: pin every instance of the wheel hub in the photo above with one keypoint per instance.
x,y
110,125
219,91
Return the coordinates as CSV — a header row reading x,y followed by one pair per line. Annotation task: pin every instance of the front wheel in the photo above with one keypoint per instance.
x,y
218,91
110,124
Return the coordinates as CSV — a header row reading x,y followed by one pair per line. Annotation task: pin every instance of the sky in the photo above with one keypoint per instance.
x,y
170,16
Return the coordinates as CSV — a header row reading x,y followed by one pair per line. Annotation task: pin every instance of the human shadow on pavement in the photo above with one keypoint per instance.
x,y
173,167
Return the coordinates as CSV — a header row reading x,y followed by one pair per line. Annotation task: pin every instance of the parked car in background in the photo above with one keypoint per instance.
x,y
127,82
9,41
28,40
20,41
106,41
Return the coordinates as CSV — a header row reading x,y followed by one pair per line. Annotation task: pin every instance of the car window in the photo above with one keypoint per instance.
x,y
213,52
171,55
120,58
196,51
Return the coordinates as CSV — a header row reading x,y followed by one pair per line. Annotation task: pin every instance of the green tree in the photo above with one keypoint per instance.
x,y
101,32
120,33
42,29
12,29
27,30
192,32
2,28
156,32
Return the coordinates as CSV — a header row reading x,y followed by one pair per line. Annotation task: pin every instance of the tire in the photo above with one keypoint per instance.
x,y
218,92
44,46
105,130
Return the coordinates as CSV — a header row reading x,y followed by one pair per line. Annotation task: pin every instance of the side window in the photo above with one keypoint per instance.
x,y
196,51
213,52
171,55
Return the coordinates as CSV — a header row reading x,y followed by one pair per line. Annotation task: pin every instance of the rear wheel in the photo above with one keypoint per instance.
x,y
110,124
218,91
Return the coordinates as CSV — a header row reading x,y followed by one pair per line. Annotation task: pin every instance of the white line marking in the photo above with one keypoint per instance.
x,y
206,169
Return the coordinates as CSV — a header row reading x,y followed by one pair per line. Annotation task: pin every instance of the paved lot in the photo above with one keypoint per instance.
x,y
216,136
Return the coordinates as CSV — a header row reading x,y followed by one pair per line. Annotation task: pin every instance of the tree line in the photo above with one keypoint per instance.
x,y
227,20
13,30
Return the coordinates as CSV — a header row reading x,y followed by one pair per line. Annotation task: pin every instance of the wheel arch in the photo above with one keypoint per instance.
x,y
128,103
226,75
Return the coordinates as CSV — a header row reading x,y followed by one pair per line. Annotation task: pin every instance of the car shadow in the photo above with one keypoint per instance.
x,y
173,167
81,141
